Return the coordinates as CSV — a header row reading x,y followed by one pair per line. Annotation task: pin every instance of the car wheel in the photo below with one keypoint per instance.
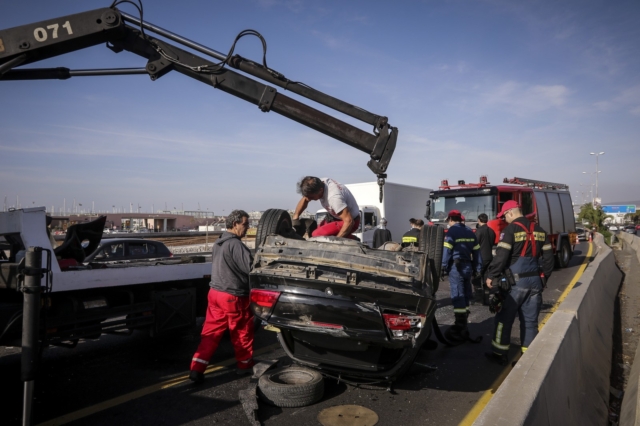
x,y
292,386
563,255
273,221
431,243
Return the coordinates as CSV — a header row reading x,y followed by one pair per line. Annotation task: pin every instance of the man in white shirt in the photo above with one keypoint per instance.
x,y
336,199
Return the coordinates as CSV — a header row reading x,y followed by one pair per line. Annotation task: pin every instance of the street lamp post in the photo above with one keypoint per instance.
x,y
598,154
593,196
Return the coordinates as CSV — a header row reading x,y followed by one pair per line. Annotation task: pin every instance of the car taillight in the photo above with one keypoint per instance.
x,y
263,301
264,298
397,322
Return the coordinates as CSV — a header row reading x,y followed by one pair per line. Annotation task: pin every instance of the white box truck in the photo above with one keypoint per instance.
x,y
399,204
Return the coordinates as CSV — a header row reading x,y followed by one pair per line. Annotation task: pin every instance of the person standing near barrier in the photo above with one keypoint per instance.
x,y
486,237
228,299
520,268
461,259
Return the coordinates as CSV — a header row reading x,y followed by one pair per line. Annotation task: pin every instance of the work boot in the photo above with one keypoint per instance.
x,y
500,359
458,332
247,367
196,377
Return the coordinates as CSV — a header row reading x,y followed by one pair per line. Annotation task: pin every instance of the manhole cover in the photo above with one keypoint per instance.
x,y
347,415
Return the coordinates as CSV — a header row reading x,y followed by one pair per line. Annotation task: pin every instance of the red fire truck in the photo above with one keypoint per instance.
x,y
549,204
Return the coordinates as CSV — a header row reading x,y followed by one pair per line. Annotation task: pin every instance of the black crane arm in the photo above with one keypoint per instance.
x,y
38,41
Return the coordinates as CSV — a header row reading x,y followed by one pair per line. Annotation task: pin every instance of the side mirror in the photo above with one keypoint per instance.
x,y
427,214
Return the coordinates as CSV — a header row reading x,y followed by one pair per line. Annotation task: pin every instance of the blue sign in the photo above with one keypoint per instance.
x,y
619,209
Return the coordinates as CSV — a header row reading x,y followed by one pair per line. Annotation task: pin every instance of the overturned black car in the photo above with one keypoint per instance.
x,y
340,306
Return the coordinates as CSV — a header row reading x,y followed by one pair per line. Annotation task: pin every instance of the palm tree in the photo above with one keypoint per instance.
x,y
595,217
632,217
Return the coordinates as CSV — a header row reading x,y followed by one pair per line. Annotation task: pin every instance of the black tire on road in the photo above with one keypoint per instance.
x,y
563,256
291,386
273,221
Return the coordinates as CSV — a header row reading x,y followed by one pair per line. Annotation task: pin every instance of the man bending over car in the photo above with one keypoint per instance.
x,y
336,199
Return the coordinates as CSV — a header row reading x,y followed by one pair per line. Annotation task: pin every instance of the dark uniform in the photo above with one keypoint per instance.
x,y
410,238
522,245
381,236
486,238
460,258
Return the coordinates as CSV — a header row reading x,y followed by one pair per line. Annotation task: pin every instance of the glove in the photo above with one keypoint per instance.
x,y
495,303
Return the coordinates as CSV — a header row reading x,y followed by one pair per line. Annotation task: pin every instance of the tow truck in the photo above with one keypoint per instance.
x,y
40,292
547,203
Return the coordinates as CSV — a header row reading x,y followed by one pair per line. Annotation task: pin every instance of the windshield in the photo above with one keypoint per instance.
x,y
469,206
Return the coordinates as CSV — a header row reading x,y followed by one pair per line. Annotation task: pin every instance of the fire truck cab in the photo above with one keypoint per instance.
x,y
548,204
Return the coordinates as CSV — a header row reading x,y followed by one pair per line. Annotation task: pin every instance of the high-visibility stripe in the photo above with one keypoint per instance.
x,y
459,310
465,240
476,247
409,239
540,236
546,247
449,246
499,346
504,245
524,349
201,361
519,236
498,338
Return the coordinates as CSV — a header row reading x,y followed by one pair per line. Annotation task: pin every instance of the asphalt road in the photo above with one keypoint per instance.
x,y
119,380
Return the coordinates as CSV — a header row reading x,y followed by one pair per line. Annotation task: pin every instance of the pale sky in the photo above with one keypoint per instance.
x,y
491,87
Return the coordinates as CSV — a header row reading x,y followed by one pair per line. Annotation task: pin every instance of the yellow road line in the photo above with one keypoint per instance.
x,y
110,403
475,411
566,291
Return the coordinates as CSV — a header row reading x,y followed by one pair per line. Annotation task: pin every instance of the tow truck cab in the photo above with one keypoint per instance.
x,y
548,204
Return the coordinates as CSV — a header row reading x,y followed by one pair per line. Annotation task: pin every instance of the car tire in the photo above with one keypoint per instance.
x,y
563,256
431,243
291,386
273,221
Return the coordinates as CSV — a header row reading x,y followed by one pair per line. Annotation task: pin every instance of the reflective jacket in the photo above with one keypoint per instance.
x,y
460,244
516,241
410,238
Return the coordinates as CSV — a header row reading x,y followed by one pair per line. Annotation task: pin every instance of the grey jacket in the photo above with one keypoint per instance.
x,y
230,265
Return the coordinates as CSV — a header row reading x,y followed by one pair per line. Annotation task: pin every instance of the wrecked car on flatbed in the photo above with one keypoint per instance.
x,y
342,307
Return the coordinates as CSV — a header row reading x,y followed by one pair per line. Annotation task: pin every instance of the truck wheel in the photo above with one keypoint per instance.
x,y
273,221
563,256
291,386
431,243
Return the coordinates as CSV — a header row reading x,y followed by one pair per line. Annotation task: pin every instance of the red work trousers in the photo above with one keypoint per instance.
x,y
226,311
333,228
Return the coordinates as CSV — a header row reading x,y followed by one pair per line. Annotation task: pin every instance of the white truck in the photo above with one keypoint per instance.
x,y
399,204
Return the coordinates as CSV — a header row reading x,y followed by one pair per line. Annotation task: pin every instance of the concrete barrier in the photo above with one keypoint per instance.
x,y
629,413
563,378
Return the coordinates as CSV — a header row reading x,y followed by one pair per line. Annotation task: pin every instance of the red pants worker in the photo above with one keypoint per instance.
x,y
228,299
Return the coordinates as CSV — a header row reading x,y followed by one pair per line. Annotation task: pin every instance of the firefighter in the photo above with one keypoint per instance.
x,y
410,238
228,299
461,260
517,271
486,238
